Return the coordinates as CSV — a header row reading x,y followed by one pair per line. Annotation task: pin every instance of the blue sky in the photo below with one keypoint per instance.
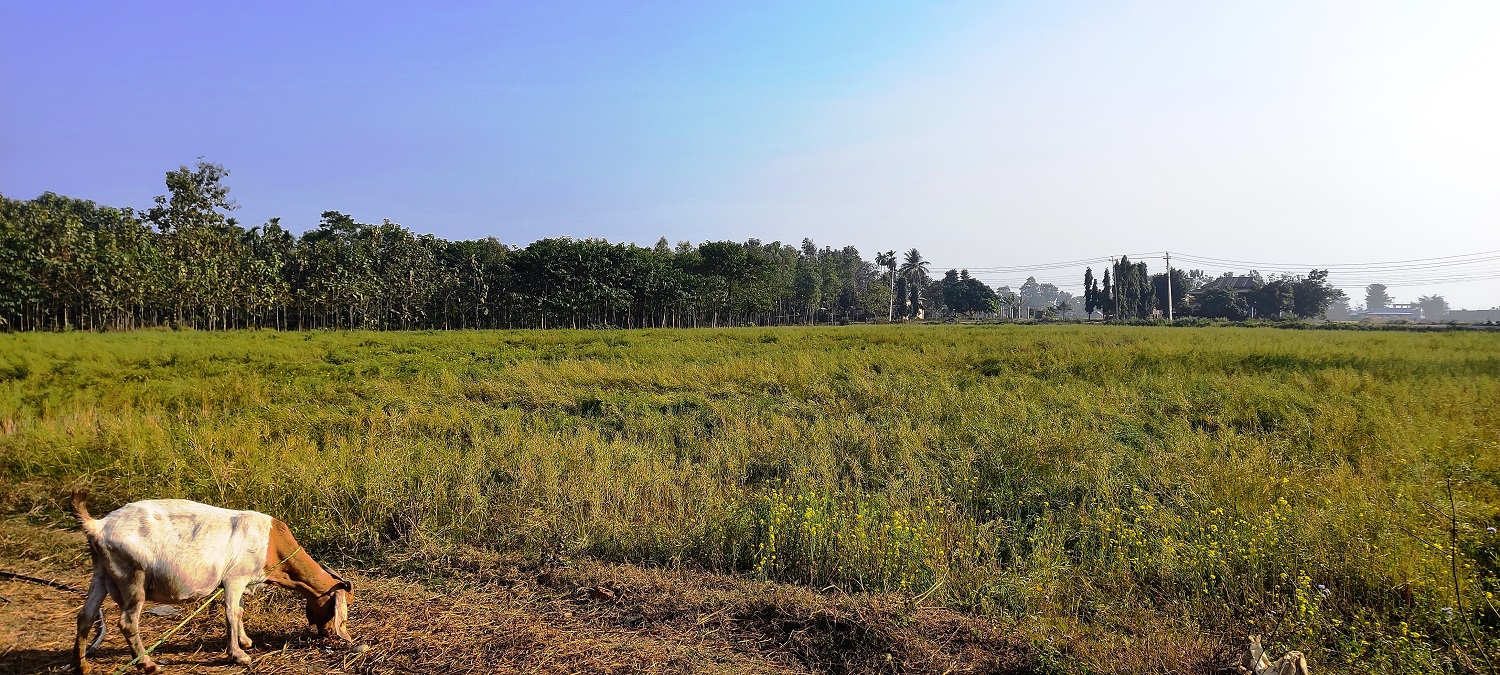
x,y
987,134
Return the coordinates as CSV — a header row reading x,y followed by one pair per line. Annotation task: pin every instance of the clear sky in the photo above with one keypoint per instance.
x,y
987,134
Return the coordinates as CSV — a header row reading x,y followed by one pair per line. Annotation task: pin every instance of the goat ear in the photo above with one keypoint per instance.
x,y
341,615
342,582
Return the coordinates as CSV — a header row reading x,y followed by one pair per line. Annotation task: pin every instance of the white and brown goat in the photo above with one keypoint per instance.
x,y
174,550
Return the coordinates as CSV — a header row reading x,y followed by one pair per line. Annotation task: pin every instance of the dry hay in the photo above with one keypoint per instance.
x,y
585,617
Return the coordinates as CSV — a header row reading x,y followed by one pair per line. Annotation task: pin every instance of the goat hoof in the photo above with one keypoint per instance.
x,y
245,643
150,668
241,658
83,668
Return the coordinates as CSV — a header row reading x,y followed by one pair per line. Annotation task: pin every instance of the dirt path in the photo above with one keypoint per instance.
x,y
582,618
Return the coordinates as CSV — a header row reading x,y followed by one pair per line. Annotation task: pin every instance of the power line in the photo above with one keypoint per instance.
x,y
1352,269
1343,265
1448,269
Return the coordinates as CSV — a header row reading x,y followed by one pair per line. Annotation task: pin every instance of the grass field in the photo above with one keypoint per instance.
x,y
1093,482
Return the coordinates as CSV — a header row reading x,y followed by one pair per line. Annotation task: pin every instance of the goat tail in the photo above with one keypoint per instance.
x,y
80,506
81,512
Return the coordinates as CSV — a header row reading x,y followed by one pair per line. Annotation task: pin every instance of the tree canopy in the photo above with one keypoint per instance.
x,y
70,263
966,295
1193,294
186,262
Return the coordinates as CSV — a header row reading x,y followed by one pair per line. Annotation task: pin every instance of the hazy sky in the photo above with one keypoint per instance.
x,y
986,134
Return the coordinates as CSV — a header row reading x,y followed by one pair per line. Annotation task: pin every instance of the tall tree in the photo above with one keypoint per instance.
x,y
724,261
1031,294
966,295
887,260
1376,297
1312,295
1434,307
1105,298
915,270
1273,299
1133,293
1222,303
201,241
1180,286
1090,292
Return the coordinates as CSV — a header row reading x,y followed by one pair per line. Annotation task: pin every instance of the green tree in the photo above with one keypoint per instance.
x,y
1376,297
966,295
1434,307
887,261
1312,295
1133,293
915,270
1222,303
1105,297
200,241
67,263
1090,292
1181,285
1272,299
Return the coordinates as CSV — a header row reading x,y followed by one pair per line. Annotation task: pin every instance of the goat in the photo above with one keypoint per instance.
x,y
175,550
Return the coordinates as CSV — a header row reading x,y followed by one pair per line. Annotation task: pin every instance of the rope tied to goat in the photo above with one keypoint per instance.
x,y
184,622
38,580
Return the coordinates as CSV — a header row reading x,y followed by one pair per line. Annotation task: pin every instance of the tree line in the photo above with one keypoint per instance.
x,y
1129,291
184,262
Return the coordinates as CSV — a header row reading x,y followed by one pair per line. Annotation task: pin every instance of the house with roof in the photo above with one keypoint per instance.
x,y
1240,286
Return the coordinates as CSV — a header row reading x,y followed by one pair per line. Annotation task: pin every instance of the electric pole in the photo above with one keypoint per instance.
x,y
1169,284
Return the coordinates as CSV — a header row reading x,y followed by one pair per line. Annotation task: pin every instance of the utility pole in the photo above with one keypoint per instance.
x,y
1169,284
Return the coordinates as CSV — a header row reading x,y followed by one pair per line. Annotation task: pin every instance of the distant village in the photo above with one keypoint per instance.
x,y
1127,291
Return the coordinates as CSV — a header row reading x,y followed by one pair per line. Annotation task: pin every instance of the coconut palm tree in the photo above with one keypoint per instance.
x,y
888,261
914,269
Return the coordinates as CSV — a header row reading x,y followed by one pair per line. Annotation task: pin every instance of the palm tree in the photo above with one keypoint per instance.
x,y
915,271
888,261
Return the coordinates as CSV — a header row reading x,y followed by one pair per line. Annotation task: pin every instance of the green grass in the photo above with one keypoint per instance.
x,y
1077,477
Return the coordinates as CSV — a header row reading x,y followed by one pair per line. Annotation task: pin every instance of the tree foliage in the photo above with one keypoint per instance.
x,y
963,294
1133,296
1090,292
915,270
1434,307
68,263
1305,297
1222,303
1312,295
1181,285
1192,293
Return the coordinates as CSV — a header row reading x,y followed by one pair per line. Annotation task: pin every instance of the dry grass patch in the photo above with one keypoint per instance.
x,y
584,618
